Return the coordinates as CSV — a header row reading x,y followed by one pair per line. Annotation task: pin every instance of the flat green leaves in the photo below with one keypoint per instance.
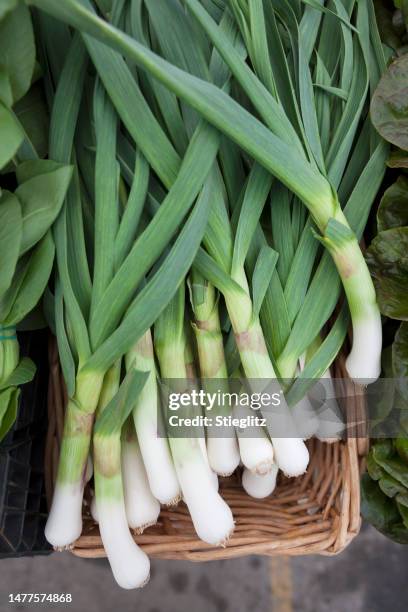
x,y
106,192
321,360
151,243
6,6
256,193
17,50
119,408
213,104
297,106
261,278
385,489
380,511
387,260
389,106
22,374
31,280
160,288
134,111
134,206
41,199
27,249
12,136
215,274
11,231
393,209
400,359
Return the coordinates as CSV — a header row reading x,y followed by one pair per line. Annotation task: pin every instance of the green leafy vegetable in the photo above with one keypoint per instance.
x,y
393,209
388,263
389,106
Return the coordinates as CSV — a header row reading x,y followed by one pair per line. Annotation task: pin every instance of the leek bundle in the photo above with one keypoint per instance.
x,y
224,170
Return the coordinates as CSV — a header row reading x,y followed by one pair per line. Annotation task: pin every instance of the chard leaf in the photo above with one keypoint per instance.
x,y
36,274
6,6
388,263
401,446
396,468
382,450
17,49
6,94
32,168
400,360
389,486
10,238
41,199
398,159
11,136
393,209
389,105
402,503
374,470
376,507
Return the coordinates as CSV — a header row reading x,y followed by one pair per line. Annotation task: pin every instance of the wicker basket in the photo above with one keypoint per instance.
x,y
318,513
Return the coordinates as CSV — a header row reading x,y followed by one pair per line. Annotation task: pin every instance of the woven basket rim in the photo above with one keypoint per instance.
x,y
317,513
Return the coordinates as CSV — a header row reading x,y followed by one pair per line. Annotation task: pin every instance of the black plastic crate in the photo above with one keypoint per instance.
x,y
23,507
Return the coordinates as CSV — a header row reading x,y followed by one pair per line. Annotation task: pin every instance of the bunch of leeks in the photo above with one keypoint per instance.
x,y
224,170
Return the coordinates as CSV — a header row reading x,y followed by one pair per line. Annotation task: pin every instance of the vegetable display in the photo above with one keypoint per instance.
x,y
384,486
31,195
218,166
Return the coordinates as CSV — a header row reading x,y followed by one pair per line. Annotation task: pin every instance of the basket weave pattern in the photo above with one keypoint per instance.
x,y
317,513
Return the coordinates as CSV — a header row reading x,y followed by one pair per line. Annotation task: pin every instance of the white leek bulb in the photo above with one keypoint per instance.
x,y
142,508
148,424
255,448
364,361
291,455
130,565
66,503
306,419
212,518
223,454
260,486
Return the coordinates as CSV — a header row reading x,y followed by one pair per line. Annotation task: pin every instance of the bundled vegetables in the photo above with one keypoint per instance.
x,y
223,170
384,486
32,193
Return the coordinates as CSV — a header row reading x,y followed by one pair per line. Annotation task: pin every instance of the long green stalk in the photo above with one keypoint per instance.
x,y
271,152
74,342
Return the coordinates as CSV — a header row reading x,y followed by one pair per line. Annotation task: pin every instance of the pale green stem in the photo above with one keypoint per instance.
x,y
78,425
364,361
110,386
248,332
9,351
